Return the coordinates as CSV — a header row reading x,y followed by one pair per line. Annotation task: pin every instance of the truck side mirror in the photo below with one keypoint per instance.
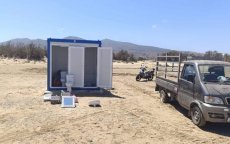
x,y
191,78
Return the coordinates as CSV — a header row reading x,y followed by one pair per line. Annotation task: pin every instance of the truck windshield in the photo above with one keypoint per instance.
x,y
215,73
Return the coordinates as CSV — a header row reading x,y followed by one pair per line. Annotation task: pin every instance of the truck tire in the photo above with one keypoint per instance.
x,y
164,97
197,116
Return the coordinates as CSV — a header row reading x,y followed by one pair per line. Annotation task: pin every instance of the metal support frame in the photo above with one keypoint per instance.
x,y
166,59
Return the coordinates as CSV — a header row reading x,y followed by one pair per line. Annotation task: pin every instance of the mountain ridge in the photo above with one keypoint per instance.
x,y
137,50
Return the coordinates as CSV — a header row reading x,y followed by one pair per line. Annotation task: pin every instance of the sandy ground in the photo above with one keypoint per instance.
x,y
132,113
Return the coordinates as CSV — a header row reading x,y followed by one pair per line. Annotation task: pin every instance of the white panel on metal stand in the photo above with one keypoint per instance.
x,y
76,65
105,66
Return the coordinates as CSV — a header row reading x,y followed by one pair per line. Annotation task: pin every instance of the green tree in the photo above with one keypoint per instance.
x,y
124,55
227,57
30,52
213,55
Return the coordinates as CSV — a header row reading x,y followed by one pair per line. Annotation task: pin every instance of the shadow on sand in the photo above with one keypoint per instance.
x,y
92,93
217,128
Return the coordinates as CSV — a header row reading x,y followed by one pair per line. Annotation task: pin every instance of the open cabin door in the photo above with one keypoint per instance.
x,y
105,66
76,65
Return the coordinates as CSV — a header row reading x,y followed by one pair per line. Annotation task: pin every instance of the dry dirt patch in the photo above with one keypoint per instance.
x,y
131,114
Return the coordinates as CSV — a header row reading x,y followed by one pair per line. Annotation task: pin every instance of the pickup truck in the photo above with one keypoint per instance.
x,y
202,87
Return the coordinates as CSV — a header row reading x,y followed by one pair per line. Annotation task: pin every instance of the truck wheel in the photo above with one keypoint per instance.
x,y
164,97
197,116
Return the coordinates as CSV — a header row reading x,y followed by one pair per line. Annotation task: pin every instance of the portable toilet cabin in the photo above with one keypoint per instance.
x,y
86,60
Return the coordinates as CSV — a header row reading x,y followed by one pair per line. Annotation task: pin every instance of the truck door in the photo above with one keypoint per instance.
x,y
186,85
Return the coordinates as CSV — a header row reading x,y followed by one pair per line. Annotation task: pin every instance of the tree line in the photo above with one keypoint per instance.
x,y
34,52
22,51
124,55
209,55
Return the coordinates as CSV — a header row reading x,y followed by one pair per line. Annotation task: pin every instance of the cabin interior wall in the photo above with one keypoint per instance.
x,y
90,79
59,63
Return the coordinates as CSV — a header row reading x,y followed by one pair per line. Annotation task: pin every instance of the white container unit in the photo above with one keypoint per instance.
x,y
88,62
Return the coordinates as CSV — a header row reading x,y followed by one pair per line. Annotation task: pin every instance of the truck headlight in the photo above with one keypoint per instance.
x,y
213,100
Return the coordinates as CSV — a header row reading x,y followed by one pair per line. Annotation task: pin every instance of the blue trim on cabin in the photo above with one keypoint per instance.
x,y
75,41
49,40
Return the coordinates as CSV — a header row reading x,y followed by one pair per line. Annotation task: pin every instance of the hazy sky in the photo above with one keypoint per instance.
x,y
194,25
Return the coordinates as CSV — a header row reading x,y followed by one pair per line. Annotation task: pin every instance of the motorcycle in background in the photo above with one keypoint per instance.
x,y
143,74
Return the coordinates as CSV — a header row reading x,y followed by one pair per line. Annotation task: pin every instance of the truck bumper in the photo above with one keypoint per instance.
x,y
217,114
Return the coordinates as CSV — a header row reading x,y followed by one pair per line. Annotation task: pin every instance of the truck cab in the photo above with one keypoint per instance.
x,y
203,88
